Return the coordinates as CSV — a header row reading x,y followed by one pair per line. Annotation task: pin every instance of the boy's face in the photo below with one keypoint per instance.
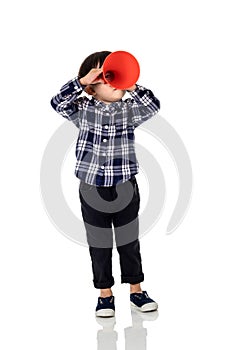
x,y
106,93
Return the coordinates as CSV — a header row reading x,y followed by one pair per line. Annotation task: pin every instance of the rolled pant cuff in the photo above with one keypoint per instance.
x,y
132,279
103,285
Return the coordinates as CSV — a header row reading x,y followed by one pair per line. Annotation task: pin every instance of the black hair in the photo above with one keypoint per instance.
x,y
92,61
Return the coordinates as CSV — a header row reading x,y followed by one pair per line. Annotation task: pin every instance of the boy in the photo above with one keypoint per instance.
x,y
106,166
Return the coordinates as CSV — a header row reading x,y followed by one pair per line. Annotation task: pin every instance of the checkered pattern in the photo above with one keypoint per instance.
x,y
105,148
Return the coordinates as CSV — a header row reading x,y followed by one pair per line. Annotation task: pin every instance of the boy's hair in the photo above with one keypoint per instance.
x,y
92,61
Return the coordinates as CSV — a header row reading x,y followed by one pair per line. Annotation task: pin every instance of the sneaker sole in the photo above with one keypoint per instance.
x,y
145,308
105,313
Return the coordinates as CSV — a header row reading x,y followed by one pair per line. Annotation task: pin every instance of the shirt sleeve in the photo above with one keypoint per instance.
x,y
68,103
143,105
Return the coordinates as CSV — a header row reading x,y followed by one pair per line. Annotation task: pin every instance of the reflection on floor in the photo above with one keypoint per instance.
x,y
135,335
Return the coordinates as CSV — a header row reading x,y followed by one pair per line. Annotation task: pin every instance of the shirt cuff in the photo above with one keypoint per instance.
x,y
77,84
136,91
72,87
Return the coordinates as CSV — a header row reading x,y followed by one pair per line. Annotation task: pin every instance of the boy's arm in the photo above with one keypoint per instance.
x,y
143,105
67,103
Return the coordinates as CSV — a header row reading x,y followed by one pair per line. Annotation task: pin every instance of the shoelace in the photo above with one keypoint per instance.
x,y
143,295
101,300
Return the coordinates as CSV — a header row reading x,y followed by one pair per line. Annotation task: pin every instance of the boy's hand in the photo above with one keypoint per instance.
x,y
93,77
132,88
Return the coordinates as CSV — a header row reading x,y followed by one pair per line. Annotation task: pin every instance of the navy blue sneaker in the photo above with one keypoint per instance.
x,y
105,307
143,302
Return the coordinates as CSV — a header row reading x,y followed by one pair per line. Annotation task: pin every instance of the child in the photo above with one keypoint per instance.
x,y
106,166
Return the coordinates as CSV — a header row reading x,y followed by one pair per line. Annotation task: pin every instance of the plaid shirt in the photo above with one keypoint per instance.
x,y
105,148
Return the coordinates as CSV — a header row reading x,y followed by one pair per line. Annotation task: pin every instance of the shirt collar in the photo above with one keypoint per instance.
x,y
112,106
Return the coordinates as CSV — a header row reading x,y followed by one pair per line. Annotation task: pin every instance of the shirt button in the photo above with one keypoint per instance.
x,y
106,126
104,154
105,140
102,167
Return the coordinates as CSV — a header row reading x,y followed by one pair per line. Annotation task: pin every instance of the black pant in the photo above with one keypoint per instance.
x,y
101,208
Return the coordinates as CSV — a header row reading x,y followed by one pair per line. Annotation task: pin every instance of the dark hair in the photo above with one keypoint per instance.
x,y
92,61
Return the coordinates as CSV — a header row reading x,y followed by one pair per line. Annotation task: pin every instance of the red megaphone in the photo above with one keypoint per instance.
x,y
121,70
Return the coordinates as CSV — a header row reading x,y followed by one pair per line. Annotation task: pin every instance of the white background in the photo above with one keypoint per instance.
x,y
185,54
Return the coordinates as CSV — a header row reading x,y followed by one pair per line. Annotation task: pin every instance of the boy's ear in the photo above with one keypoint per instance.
x,y
89,90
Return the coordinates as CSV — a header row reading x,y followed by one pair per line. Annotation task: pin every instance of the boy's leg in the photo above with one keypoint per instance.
x,y
130,263
126,225
102,268
135,288
100,239
107,292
